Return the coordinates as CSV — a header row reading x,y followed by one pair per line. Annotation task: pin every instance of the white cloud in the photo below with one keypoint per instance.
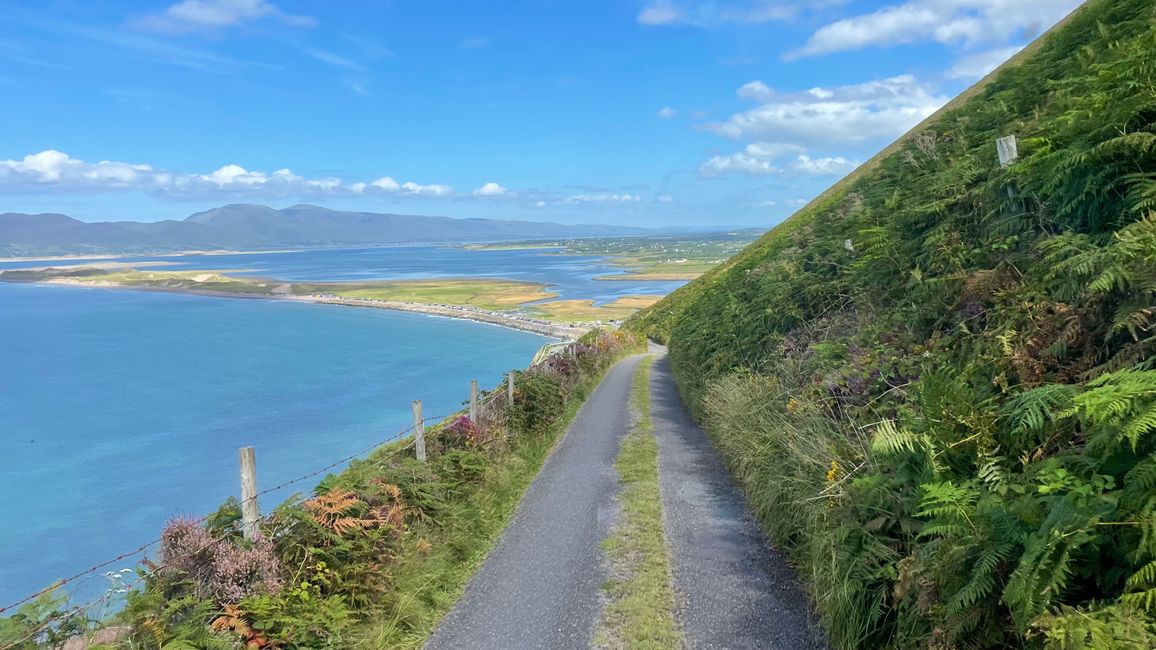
x,y
238,175
386,183
756,159
709,13
798,203
603,197
966,22
52,167
660,13
756,91
836,166
665,198
193,15
56,171
426,190
974,66
764,158
829,116
667,112
490,189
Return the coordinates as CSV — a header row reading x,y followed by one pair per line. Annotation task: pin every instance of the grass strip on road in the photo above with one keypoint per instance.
x,y
640,611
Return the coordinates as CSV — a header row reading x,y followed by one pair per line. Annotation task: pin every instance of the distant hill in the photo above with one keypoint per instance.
x,y
247,226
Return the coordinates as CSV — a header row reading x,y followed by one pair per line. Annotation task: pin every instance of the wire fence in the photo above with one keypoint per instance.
x,y
105,600
491,410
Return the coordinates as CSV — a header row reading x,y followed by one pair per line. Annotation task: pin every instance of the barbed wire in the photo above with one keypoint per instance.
x,y
488,400
145,547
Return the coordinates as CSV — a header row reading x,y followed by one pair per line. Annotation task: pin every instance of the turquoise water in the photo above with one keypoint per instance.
x,y
119,409
571,276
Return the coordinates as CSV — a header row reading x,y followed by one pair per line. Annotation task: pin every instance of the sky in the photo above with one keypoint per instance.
x,y
646,112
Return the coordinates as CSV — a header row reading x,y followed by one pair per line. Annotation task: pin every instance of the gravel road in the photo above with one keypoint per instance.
x,y
541,585
734,591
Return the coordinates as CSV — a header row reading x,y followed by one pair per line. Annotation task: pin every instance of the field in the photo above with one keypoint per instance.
x,y
673,257
490,294
584,311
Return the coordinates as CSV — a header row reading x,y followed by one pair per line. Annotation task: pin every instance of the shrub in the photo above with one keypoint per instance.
x,y
218,568
991,330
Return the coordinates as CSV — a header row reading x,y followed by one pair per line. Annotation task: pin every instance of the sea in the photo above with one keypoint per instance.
x,y
120,409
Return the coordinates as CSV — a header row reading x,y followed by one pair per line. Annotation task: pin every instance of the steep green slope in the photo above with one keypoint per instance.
x,y
936,381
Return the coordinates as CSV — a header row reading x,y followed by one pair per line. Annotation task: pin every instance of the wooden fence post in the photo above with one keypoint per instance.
x,y
250,512
510,388
474,401
418,431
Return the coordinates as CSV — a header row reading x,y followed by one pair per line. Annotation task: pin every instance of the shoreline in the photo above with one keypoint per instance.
x,y
459,312
121,256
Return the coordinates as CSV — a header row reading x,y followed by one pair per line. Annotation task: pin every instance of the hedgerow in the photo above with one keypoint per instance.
x,y
371,559
937,383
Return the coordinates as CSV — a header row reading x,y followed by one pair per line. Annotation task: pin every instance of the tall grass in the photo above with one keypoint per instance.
x,y
795,465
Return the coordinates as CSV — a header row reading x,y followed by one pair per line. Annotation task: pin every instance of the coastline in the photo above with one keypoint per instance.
x,y
460,312
121,256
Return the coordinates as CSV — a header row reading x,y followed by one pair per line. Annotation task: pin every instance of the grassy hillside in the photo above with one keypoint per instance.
x,y
936,381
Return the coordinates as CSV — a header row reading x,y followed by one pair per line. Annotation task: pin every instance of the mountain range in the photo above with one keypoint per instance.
x,y
248,226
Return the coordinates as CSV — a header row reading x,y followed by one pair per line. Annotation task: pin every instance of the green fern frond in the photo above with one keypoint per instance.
x,y
1141,425
891,441
1142,477
1032,410
1144,600
1145,577
983,580
1122,400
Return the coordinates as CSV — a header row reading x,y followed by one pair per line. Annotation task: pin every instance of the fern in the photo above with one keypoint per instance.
x,y
1100,628
983,578
892,441
1030,411
1124,402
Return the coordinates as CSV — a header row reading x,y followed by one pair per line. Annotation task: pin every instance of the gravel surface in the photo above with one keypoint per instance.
x,y
733,590
541,585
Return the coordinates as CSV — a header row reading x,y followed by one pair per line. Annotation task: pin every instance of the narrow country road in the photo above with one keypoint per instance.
x,y
541,585
734,591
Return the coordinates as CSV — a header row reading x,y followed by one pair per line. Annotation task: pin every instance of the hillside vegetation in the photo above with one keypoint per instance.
x,y
371,559
936,382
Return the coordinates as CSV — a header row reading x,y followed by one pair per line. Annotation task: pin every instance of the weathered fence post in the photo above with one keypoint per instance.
x,y
418,431
250,512
510,388
474,401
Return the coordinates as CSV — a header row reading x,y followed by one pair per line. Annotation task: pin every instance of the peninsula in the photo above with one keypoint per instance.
x,y
526,306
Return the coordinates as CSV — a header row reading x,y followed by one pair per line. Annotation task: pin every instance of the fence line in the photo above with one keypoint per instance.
x,y
144,547
485,411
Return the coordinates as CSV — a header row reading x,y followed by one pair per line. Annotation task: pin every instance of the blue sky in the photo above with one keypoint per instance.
x,y
651,112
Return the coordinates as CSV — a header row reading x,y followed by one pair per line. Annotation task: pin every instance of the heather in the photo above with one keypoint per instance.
x,y
372,557
935,383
